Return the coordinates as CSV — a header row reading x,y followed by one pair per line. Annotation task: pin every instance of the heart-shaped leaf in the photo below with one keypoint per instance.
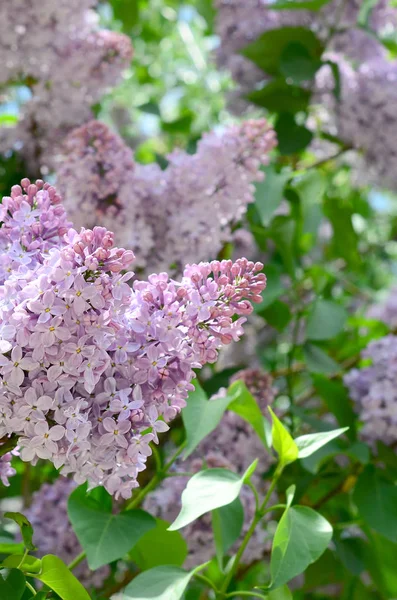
x,y
104,536
161,583
201,416
60,579
159,547
310,443
227,523
206,491
301,537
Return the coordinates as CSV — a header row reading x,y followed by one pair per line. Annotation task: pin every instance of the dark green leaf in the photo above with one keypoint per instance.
x,y
310,188
278,96
13,586
58,578
206,491
227,523
127,11
313,5
201,416
337,400
267,50
301,537
318,361
25,527
104,536
278,315
269,192
159,547
160,583
376,501
297,64
351,551
291,137
282,233
326,320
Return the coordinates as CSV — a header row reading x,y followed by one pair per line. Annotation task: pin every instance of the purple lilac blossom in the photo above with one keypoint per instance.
x,y
67,67
386,311
6,469
53,533
234,446
169,217
88,363
373,390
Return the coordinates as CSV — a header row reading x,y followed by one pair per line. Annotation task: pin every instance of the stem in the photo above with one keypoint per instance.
x,y
31,588
206,581
251,594
76,561
159,476
23,558
258,516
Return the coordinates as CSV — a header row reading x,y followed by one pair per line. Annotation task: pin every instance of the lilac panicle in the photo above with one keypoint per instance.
x,y
58,51
373,389
91,369
170,217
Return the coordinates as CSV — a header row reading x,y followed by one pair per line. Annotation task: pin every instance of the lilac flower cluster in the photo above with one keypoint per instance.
x,y
67,67
53,533
373,389
88,363
169,217
386,311
6,469
239,24
364,117
234,446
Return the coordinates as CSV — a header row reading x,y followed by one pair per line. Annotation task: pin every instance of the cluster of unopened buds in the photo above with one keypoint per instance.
x,y
92,368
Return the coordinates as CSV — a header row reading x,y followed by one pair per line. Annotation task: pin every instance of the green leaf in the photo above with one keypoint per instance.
x,y
291,137
160,583
159,547
267,50
311,188
351,551
310,443
313,5
105,537
337,400
13,586
201,416
227,524
326,320
282,593
297,64
278,315
127,12
10,547
301,537
206,491
282,233
58,578
318,361
376,501
244,404
31,564
282,441
25,527
269,193
365,11
279,96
